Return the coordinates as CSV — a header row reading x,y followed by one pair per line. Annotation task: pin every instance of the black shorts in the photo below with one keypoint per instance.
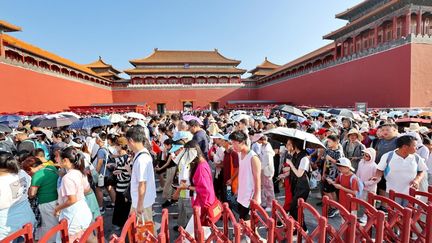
x,y
382,184
243,212
327,187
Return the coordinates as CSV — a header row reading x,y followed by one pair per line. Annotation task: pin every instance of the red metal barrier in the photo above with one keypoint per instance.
x,y
198,230
374,225
347,229
62,227
258,217
97,226
430,189
415,193
129,231
217,235
319,233
284,232
164,236
26,232
398,223
421,221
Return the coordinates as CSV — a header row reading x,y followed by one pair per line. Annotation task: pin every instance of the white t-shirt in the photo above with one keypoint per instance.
x,y
142,171
14,188
401,171
184,175
304,163
246,185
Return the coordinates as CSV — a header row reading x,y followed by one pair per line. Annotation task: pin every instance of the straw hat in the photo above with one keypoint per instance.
x,y
355,131
413,127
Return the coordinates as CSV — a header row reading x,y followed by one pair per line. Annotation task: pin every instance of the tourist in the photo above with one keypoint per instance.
x,y
387,134
402,168
15,210
249,174
71,204
267,171
122,173
365,172
333,153
143,187
299,182
218,157
44,187
200,136
171,169
24,143
230,167
428,143
353,147
347,183
100,162
347,124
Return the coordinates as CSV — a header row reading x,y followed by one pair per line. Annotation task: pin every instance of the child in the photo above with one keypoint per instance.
x,y
366,170
344,183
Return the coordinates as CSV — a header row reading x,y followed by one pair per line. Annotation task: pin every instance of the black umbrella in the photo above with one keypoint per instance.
x,y
5,129
290,109
53,121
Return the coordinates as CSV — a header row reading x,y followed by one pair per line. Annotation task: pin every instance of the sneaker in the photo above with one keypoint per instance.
x,y
109,206
106,198
116,228
295,234
159,189
166,204
268,209
102,210
332,213
319,203
363,220
176,228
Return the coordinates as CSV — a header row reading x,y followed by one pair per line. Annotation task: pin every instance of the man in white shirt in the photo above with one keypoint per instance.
x,y
143,186
402,168
249,175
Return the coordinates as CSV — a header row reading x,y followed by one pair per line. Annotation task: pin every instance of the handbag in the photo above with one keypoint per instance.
x,y
212,213
143,228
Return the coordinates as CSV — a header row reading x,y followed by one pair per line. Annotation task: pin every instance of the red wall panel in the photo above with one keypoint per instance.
x,y
382,80
26,90
421,75
174,98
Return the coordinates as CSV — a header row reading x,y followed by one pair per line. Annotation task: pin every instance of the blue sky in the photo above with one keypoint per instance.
x,y
246,30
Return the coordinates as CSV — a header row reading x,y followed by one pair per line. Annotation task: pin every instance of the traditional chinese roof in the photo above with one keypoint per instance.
x,y
185,70
184,57
308,57
109,75
264,67
8,27
100,64
19,44
333,35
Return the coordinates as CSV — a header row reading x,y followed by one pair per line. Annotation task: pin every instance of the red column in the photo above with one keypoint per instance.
x,y
2,50
335,52
408,24
376,36
394,29
419,22
343,49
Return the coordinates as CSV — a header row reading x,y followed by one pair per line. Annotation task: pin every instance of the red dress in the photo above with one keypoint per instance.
x,y
288,192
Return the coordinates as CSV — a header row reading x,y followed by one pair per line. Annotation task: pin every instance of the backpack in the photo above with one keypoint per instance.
x,y
359,194
38,145
390,156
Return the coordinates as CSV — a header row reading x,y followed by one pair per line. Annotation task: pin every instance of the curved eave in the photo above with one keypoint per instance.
x,y
184,71
332,35
8,27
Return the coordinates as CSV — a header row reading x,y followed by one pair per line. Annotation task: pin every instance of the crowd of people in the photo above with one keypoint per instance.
x,y
61,173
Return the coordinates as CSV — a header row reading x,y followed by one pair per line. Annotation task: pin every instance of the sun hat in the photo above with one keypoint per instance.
x,y
355,131
345,163
175,148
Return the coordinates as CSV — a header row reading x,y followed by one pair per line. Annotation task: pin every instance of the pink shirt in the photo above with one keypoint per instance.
x,y
203,183
73,183
365,171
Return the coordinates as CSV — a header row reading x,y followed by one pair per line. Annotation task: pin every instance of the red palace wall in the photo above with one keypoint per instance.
x,y
381,80
421,75
174,98
26,90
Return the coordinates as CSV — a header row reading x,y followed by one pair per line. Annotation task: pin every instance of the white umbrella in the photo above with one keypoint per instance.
x,y
282,134
114,118
135,115
240,117
69,113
